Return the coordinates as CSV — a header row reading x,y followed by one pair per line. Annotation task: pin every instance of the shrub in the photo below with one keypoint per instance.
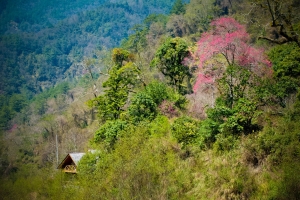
x,y
142,107
185,130
110,132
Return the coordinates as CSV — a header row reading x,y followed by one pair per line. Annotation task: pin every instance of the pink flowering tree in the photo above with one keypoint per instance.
x,y
227,61
226,44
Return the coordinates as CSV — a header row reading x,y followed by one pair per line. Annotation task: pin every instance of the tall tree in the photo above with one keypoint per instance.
x,y
169,61
122,78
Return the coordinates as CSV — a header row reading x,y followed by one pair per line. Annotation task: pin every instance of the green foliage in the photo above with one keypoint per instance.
x,y
5,116
235,84
179,100
139,168
160,126
137,40
169,61
17,102
287,188
199,14
123,77
9,107
239,119
154,18
236,110
208,131
178,8
224,143
158,91
286,65
88,163
142,107
110,132
119,56
286,60
55,92
185,130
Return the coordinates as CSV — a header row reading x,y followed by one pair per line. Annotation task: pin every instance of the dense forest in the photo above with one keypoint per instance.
x,y
167,99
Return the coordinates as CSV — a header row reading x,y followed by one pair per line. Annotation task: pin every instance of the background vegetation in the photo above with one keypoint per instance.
x,y
178,100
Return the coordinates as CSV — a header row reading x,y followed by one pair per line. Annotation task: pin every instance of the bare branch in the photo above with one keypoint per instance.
x,y
279,41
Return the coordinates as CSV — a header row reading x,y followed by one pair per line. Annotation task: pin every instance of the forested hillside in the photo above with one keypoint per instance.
x,y
190,99
44,42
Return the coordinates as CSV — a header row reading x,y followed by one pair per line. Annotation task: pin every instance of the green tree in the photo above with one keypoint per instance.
x,y
123,76
136,41
169,61
286,65
286,60
178,8
5,116
236,109
17,102
158,91
109,132
155,18
199,14
142,107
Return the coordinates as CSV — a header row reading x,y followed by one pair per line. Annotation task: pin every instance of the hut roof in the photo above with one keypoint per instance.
x,y
70,158
76,157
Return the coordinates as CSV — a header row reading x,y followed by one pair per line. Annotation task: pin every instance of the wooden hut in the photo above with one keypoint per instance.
x,y
69,164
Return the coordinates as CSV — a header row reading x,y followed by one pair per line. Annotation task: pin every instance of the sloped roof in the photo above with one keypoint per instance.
x,y
75,157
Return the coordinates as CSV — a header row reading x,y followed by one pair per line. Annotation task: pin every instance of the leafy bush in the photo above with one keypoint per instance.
x,y
158,91
224,143
286,60
160,126
185,130
207,133
142,107
110,132
275,146
87,164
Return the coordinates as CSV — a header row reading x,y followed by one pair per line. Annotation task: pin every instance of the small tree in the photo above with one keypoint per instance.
x,y
236,108
169,61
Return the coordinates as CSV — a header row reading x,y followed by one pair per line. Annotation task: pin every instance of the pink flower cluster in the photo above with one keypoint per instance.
x,y
230,39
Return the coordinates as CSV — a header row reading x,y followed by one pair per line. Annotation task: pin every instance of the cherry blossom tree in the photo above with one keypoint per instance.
x,y
226,44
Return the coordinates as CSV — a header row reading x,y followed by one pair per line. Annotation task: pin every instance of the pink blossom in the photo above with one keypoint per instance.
x,y
13,128
230,39
202,79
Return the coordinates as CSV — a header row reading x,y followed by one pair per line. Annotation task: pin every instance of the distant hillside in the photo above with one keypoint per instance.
x,y
41,40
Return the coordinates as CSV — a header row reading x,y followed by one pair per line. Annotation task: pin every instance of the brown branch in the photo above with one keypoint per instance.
x,y
272,14
279,41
